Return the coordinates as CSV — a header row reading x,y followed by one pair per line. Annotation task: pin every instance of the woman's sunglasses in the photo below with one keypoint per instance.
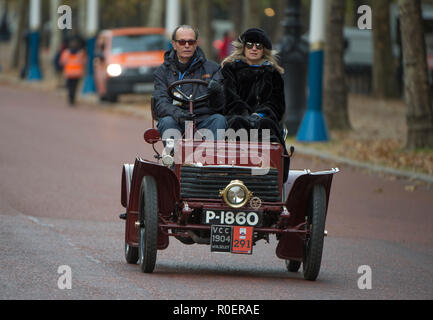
x,y
250,45
183,42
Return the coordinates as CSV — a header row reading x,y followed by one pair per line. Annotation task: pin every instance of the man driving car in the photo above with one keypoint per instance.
x,y
185,61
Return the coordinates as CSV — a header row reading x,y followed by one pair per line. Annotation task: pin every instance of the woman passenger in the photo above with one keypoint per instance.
x,y
254,87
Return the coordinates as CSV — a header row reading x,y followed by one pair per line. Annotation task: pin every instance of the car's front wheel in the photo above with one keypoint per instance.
x,y
148,231
316,225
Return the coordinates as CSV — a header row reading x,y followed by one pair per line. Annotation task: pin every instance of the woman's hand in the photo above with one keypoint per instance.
x,y
254,120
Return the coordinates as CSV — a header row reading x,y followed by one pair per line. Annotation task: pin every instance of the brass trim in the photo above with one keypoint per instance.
x,y
239,183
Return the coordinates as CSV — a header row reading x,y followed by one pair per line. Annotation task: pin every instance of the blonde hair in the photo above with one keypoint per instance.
x,y
238,54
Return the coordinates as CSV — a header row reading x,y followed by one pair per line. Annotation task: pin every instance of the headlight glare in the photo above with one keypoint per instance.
x,y
114,70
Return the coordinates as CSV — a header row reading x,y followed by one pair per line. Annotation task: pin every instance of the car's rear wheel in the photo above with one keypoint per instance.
x,y
148,231
293,266
108,97
111,97
316,225
131,254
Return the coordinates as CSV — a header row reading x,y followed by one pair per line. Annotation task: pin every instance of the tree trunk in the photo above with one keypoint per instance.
x,y
18,36
82,12
385,83
235,17
251,14
205,28
419,115
335,90
154,18
193,12
55,32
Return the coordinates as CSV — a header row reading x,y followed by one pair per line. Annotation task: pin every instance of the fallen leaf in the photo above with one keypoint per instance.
x,y
410,188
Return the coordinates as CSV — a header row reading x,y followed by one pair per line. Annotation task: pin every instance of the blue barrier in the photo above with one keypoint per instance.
x,y
89,82
34,73
313,126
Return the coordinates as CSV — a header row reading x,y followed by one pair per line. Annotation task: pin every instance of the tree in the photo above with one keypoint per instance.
x,y
419,115
251,13
335,91
192,12
385,83
235,6
18,36
204,21
154,18
56,34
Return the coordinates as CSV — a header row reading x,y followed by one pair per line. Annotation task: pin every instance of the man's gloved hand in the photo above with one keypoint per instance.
x,y
181,116
214,87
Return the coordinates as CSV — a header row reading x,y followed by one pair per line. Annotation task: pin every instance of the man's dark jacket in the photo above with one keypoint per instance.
x,y
198,68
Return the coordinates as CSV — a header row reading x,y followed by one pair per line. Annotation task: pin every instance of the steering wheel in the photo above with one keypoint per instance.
x,y
174,87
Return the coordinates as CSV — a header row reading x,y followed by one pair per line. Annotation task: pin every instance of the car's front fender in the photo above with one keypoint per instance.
x,y
168,188
167,183
298,188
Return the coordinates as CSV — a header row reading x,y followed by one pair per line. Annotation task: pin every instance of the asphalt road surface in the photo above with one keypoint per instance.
x,y
60,171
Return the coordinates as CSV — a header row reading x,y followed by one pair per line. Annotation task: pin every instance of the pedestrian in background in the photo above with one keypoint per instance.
x,y
226,46
73,60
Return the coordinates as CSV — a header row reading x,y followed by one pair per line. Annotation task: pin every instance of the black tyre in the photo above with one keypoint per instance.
x,y
316,224
293,266
131,254
148,231
111,97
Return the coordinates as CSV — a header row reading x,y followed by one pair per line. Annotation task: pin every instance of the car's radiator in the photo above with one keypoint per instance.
x,y
206,182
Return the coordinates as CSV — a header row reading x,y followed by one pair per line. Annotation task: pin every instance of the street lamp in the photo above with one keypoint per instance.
x,y
92,25
313,126
294,59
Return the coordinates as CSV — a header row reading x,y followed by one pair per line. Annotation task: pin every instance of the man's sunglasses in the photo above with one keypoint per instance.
x,y
183,42
250,45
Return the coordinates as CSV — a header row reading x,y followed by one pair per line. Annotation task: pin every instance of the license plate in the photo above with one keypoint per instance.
x,y
242,240
234,218
234,239
143,87
221,238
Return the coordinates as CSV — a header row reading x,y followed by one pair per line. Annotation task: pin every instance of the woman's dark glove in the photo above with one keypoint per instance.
x,y
254,120
214,87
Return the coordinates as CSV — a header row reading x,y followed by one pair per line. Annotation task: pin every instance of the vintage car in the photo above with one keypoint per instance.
x,y
224,200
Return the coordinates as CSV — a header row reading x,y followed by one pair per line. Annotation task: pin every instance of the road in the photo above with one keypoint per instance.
x,y
60,170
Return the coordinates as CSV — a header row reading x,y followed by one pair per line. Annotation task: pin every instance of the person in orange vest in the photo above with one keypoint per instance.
x,y
73,61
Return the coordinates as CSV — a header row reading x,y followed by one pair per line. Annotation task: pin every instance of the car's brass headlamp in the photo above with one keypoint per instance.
x,y
236,194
